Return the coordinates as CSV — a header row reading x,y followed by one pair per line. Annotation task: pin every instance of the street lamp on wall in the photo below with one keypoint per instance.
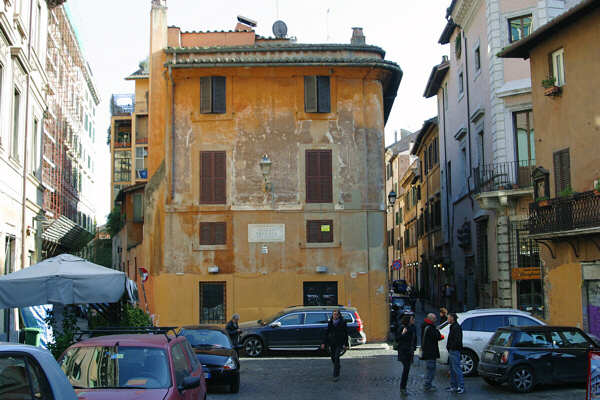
x,y
265,167
392,198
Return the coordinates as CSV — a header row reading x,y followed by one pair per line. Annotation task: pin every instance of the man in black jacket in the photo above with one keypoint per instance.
x,y
336,338
430,336
234,331
454,346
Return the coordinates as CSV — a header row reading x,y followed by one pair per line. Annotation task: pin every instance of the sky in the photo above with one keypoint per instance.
x,y
115,38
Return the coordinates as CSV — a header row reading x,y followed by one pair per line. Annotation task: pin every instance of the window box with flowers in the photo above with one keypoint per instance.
x,y
550,88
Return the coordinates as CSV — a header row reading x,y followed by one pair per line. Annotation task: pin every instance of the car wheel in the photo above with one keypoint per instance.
x,y
521,379
492,381
234,387
468,362
253,347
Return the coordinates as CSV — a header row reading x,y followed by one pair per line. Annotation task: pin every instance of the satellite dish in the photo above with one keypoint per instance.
x,y
279,29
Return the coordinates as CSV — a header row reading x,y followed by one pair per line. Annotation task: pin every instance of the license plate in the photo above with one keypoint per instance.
x,y
207,375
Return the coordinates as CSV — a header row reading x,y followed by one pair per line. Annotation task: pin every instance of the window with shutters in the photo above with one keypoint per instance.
x,y
212,95
138,207
317,97
319,231
318,176
213,233
213,172
562,171
213,302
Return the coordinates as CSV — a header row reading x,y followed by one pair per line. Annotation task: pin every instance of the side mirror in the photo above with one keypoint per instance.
x,y
275,325
189,382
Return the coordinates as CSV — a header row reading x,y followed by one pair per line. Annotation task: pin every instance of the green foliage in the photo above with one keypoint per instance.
x,y
549,82
114,221
541,198
566,192
65,337
597,186
132,317
144,64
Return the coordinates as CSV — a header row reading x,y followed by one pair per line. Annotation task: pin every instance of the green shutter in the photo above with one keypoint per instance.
x,y
323,93
219,106
205,95
310,94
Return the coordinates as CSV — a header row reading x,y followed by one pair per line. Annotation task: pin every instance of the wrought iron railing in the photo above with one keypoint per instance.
x,y
504,176
122,104
580,211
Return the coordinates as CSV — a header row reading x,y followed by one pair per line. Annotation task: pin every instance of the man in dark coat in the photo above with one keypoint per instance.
x,y
336,338
234,331
454,346
430,336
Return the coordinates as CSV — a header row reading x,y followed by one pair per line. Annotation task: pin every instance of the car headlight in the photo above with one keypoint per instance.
x,y
230,364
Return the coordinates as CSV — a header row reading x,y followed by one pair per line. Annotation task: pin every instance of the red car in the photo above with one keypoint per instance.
x,y
134,366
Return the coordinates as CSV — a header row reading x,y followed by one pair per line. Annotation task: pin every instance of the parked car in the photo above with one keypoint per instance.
x,y
216,353
478,327
527,355
400,305
399,286
297,328
29,372
157,366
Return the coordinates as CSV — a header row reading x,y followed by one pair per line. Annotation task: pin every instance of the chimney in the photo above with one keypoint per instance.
x,y
358,38
395,136
444,59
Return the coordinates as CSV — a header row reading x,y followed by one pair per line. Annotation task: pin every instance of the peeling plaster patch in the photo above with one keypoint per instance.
x,y
379,290
187,140
328,135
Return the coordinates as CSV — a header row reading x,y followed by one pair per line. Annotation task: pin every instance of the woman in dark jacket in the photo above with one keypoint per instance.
x,y
336,338
406,336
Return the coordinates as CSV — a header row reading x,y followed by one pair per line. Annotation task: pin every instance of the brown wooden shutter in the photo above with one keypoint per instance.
x,y
206,234
325,175
326,236
323,93
310,94
312,231
219,106
213,173
312,176
206,95
562,170
220,233
219,174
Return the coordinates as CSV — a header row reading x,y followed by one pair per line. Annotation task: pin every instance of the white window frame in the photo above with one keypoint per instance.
x,y
558,66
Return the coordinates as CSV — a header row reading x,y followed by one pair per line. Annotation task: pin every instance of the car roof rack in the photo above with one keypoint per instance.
x,y
120,330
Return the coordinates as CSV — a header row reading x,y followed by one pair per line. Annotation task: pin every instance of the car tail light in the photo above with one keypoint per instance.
x,y
504,357
359,321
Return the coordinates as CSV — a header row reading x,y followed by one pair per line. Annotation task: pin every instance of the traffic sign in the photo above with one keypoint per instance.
x,y
144,274
397,264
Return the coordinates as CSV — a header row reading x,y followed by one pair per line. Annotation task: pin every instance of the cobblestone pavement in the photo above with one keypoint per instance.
x,y
368,372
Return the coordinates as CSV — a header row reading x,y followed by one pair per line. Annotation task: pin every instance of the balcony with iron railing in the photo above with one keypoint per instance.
x,y
510,175
574,215
500,184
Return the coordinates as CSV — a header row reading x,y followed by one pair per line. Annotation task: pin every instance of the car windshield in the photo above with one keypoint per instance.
x,y
206,338
501,338
105,367
272,318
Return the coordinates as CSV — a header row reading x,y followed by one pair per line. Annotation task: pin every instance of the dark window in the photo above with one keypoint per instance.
x,y
320,293
562,170
212,95
493,322
212,233
180,364
532,339
316,94
291,320
315,318
319,231
467,324
520,27
477,324
482,251
212,177
318,176
212,303
477,59
122,166
16,117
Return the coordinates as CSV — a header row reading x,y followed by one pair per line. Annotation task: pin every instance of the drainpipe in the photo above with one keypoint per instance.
x,y
172,131
470,177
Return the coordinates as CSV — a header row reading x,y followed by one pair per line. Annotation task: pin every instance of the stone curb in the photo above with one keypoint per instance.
x,y
372,346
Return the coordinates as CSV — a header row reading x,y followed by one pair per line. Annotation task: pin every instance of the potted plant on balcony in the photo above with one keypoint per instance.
x,y
597,187
567,192
543,201
550,88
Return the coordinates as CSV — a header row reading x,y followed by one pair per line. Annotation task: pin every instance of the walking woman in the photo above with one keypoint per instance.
x,y
406,336
336,338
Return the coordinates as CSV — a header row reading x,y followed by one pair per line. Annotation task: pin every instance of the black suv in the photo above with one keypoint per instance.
x,y
297,328
526,355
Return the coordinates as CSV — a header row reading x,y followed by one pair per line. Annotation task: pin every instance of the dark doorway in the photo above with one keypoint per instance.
x,y
320,294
